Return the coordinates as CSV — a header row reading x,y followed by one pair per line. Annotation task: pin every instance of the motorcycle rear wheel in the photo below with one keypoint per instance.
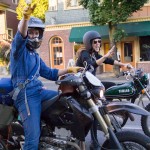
x,y
145,122
2,145
130,140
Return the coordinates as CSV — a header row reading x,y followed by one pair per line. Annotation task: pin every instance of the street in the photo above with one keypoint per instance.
x,y
131,125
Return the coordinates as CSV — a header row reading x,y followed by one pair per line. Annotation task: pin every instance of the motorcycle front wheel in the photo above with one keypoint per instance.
x,y
145,122
2,145
130,140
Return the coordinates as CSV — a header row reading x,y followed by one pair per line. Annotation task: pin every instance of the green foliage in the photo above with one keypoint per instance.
x,y
41,8
118,35
4,52
111,12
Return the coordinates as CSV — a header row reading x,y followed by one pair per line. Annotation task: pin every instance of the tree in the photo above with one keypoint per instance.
x,y
4,53
41,8
112,12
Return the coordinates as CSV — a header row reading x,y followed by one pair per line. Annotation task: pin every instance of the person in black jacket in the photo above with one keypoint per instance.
x,y
90,54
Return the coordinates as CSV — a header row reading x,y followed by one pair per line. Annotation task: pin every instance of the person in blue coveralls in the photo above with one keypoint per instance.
x,y
29,92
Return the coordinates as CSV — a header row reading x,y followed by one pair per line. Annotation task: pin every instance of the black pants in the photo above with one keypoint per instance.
x,y
94,125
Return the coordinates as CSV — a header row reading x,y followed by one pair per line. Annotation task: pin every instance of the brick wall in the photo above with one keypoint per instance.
x,y
144,65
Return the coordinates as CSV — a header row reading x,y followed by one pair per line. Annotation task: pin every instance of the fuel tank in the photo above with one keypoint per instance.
x,y
124,90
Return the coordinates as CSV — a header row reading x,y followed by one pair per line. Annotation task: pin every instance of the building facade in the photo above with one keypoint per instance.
x,y
66,23
8,19
8,28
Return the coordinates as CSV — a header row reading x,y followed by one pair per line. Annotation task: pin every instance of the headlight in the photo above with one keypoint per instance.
x,y
101,93
98,92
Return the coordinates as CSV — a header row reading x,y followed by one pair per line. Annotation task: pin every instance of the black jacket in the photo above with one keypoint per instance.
x,y
91,60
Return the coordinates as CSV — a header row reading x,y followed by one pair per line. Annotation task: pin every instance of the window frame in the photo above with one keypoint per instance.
x,y
72,7
53,8
15,2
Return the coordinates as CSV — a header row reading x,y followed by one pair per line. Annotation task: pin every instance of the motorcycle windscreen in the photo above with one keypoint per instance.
x,y
92,79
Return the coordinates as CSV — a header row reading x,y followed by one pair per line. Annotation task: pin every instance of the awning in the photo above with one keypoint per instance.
x,y
131,29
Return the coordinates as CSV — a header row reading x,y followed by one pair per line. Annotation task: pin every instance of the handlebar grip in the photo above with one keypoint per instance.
x,y
120,74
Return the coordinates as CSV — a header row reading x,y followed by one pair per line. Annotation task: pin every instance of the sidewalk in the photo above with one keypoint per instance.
x,y
107,76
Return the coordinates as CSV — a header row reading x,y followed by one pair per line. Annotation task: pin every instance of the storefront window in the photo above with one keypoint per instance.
x,y
128,52
145,48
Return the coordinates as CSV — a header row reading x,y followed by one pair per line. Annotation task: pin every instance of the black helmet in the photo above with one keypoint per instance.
x,y
37,24
88,37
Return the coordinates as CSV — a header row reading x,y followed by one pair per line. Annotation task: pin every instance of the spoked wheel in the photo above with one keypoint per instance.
x,y
2,145
130,141
145,122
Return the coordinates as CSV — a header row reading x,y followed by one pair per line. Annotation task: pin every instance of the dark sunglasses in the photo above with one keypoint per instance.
x,y
95,42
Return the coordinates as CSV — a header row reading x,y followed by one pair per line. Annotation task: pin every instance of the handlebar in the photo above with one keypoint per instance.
x,y
127,74
133,73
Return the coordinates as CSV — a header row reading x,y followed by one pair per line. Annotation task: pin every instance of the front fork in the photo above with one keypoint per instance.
x,y
104,120
105,124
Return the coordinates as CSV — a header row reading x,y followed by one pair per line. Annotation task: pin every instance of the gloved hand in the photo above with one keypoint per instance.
x,y
129,66
74,69
28,11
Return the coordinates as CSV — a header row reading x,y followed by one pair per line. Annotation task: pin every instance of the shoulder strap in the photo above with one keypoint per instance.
x,y
35,69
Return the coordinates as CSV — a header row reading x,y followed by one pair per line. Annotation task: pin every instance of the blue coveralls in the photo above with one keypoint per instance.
x,y
22,63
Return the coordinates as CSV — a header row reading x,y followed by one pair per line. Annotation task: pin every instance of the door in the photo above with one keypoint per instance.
x,y
108,68
57,53
127,53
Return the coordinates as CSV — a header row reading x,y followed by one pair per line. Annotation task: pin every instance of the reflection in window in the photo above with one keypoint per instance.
x,y
15,1
128,52
145,48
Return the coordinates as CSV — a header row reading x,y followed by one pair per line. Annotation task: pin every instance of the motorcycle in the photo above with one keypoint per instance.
x,y
80,99
135,90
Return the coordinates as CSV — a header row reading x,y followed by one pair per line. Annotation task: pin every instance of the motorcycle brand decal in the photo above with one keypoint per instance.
x,y
124,90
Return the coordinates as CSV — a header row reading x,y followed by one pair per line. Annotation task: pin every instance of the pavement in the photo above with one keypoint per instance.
x,y
109,76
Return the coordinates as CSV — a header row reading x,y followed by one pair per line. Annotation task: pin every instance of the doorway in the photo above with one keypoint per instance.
x,y
108,68
127,53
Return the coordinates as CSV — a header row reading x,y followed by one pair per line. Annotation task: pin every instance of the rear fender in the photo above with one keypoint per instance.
x,y
125,106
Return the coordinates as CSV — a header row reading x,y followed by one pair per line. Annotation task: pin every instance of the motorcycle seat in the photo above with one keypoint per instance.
x,y
5,88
